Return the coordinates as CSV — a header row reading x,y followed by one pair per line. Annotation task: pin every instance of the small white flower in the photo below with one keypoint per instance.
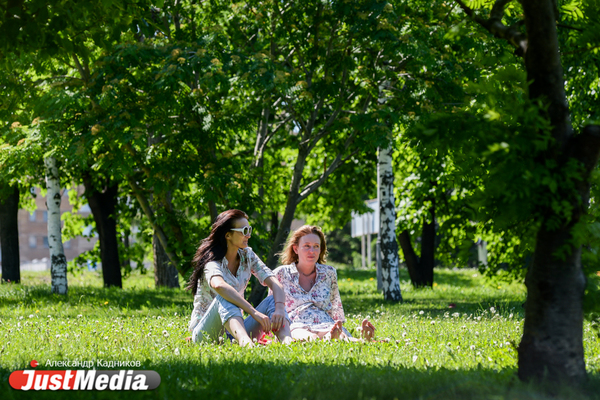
x,y
165,334
105,337
478,353
510,316
492,310
403,334
79,316
415,357
472,347
176,349
476,333
432,322
58,336
31,315
455,315
421,312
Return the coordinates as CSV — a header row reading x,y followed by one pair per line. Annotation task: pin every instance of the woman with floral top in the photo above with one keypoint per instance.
x,y
312,296
222,267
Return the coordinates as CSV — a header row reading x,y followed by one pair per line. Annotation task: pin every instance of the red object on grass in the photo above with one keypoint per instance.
x,y
264,340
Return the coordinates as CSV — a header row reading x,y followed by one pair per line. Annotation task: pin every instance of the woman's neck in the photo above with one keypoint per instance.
x,y
231,254
306,268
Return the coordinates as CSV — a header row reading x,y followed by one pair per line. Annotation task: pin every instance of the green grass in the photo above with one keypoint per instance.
x,y
434,351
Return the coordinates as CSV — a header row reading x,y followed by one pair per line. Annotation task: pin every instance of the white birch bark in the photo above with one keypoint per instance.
x,y
58,261
387,226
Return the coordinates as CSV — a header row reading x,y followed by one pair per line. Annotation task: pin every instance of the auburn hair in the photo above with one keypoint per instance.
x,y
214,247
288,255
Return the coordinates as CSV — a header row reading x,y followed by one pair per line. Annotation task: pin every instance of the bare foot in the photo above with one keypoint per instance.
x,y
368,330
336,330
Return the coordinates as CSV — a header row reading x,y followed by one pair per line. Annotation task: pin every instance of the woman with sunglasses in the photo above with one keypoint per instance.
x,y
312,296
222,267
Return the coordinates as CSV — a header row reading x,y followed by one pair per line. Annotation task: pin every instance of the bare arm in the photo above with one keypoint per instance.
x,y
226,291
278,317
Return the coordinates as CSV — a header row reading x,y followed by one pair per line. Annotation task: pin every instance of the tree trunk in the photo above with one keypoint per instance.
x,y
165,274
413,263
552,342
9,236
387,226
58,261
212,209
126,260
420,270
258,291
103,204
428,248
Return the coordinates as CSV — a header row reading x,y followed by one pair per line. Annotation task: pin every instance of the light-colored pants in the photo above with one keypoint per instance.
x,y
220,311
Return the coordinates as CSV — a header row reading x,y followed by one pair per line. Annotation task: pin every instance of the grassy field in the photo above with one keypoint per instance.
x,y
456,340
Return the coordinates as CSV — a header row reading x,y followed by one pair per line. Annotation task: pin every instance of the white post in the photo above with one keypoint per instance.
x,y
58,261
362,250
369,229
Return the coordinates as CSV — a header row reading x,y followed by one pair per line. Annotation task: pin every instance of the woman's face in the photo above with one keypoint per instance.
x,y
237,238
308,249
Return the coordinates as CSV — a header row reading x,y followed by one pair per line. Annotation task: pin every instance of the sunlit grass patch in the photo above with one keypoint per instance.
x,y
455,340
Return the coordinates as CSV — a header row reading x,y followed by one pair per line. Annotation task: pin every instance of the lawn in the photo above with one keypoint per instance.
x,y
456,340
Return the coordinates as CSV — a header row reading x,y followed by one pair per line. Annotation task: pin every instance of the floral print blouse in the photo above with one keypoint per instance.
x,y
250,263
319,308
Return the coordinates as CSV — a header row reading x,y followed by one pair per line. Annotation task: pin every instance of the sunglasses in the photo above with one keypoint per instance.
x,y
246,231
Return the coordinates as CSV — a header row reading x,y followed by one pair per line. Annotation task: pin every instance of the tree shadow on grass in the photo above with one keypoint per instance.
x,y
442,276
256,379
431,307
81,297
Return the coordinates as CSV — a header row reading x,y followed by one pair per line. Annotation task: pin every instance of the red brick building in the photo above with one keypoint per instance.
x,y
33,234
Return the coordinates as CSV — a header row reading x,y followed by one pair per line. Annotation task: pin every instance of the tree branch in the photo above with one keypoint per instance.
x,y
495,26
139,195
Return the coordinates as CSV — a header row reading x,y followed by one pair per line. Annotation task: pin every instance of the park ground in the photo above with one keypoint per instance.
x,y
455,340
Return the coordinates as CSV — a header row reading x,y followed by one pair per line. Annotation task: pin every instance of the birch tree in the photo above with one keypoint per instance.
x,y
387,225
58,261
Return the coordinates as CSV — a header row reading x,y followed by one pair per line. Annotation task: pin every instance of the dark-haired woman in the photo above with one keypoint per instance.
x,y
222,267
312,296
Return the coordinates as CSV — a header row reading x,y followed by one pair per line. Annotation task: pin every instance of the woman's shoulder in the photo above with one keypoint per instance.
x,y
247,252
327,268
283,269
212,266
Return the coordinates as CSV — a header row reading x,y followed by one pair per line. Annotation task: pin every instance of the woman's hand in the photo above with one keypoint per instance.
x,y
278,319
263,320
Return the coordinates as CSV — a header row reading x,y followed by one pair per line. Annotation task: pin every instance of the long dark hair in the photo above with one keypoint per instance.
x,y
214,247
